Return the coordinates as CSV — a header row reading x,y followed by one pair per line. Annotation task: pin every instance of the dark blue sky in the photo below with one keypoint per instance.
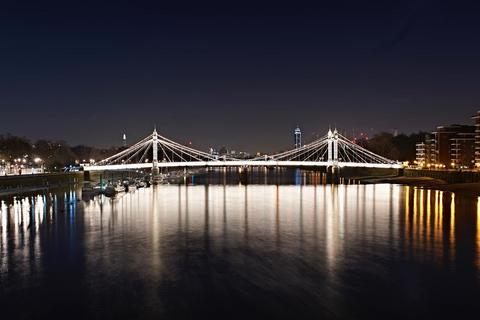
x,y
238,75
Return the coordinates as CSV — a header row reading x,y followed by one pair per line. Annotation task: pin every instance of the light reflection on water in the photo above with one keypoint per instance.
x,y
311,250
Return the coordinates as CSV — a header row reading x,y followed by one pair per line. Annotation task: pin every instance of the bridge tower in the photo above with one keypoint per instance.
x,y
335,147
332,147
332,156
329,145
155,170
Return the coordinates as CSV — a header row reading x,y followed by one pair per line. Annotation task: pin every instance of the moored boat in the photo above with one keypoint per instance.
x,y
112,189
89,189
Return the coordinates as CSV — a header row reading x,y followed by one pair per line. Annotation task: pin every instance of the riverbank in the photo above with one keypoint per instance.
x,y
25,184
10,185
463,182
467,188
424,182
30,183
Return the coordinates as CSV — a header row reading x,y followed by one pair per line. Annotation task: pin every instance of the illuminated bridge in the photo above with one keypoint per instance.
x,y
155,151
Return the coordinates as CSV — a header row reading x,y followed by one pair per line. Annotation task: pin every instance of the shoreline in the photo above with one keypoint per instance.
x,y
23,184
465,188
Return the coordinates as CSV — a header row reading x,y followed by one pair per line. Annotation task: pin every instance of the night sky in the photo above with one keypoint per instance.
x,y
232,73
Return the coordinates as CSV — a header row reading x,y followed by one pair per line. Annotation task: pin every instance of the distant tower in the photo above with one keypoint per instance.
x,y
124,140
297,136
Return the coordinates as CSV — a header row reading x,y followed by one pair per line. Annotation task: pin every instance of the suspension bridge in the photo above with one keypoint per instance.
x,y
156,151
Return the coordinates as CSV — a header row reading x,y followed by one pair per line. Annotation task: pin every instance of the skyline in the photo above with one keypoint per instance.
x,y
241,76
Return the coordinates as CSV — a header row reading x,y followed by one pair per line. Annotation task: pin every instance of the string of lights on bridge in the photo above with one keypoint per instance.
x,y
156,151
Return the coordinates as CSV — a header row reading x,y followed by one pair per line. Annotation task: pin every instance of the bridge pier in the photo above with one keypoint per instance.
x,y
332,175
155,175
243,175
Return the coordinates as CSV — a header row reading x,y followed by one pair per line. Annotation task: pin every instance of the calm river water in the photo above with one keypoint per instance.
x,y
242,251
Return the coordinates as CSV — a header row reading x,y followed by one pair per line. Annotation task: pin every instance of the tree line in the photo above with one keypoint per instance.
x,y
399,147
54,154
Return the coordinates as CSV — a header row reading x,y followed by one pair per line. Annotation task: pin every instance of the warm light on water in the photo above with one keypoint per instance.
x,y
478,232
348,251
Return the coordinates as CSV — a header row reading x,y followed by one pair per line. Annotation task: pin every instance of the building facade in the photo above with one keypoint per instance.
x,y
463,151
425,152
477,139
451,146
444,137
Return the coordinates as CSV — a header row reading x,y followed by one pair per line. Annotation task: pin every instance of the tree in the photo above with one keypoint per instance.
x,y
55,154
382,144
400,147
406,145
13,147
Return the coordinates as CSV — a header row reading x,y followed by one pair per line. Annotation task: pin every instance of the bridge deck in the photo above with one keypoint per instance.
x,y
241,163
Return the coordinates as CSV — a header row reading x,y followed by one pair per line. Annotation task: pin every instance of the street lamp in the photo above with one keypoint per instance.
x,y
38,160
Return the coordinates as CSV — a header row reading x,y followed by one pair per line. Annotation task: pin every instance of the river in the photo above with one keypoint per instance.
x,y
235,251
